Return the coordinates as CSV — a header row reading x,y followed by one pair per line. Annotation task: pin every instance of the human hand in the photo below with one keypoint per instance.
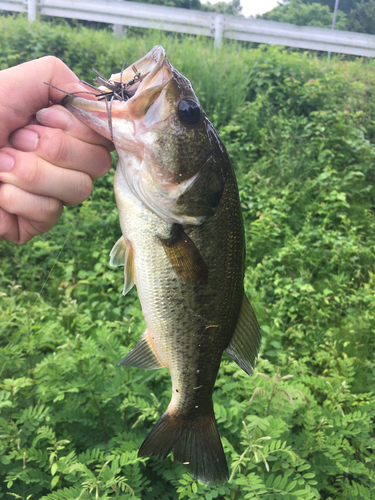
x,y
43,167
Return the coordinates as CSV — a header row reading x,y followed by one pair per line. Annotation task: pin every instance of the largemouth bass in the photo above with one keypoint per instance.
x,y
183,245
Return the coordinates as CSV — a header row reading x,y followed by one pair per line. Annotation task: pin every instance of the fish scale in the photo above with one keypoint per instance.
x,y
183,246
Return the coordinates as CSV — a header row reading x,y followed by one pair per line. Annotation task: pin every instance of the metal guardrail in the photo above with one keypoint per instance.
x,y
123,13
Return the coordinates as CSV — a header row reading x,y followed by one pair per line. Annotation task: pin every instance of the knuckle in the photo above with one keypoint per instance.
x,y
5,198
85,187
51,60
104,163
8,222
59,152
52,208
28,172
4,223
108,162
82,189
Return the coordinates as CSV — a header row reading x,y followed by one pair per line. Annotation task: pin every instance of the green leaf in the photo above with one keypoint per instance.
x,y
276,481
54,481
291,485
303,467
270,480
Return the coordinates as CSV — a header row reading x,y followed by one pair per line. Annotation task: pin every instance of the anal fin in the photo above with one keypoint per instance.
x,y
245,343
184,256
142,355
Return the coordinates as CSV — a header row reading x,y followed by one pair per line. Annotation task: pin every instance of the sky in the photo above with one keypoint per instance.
x,y
252,7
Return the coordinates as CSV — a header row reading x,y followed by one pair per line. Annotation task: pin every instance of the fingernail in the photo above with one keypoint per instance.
x,y
55,117
24,140
6,162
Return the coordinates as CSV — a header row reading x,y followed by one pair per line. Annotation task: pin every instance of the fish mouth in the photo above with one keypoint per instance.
x,y
148,68
126,95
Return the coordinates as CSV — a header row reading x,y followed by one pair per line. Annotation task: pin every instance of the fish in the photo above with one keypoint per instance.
x,y
182,244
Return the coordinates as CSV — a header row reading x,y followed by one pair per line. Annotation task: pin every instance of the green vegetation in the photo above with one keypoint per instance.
x,y
362,18
301,134
306,14
352,15
232,8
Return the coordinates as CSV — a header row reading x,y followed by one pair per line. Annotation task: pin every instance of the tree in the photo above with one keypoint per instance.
x,y
352,15
183,4
362,18
232,8
305,14
344,5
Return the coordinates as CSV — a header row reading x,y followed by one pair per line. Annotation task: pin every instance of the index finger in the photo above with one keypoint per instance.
x,y
23,91
59,117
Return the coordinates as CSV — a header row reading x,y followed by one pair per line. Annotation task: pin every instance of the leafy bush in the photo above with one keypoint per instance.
x,y
300,132
309,213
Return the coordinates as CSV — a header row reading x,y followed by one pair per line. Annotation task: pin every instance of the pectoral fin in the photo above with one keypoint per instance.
x,y
118,252
142,355
245,343
122,255
184,256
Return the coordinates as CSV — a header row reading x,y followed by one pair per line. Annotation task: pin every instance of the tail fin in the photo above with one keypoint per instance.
x,y
196,444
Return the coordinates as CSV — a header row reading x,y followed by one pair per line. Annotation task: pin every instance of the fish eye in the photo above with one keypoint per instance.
x,y
189,112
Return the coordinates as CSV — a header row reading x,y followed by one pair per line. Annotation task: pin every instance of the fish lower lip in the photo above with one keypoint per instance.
x,y
98,115
89,105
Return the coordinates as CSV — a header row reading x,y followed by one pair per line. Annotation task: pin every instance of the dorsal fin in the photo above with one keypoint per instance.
x,y
184,256
245,343
122,255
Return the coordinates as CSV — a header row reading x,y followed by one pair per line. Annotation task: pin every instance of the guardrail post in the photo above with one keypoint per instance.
x,y
334,21
219,29
118,30
32,10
